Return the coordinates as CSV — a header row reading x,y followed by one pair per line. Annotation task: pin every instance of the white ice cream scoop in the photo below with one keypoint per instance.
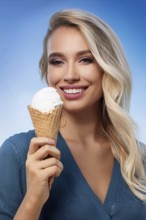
x,y
46,99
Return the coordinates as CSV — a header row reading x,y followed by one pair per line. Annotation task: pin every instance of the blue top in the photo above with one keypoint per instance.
x,y
71,197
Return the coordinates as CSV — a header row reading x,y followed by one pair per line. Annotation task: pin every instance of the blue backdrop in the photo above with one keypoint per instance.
x,y
23,24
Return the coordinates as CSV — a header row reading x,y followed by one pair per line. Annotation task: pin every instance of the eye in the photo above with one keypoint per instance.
x,y
55,62
86,60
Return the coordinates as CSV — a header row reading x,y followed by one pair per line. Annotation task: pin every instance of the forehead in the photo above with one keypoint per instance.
x,y
67,38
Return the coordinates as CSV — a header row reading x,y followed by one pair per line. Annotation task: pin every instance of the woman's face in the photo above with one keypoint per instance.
x,y
72,70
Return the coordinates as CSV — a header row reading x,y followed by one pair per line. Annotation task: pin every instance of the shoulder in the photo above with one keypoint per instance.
x,y
13,153
17,144
23,138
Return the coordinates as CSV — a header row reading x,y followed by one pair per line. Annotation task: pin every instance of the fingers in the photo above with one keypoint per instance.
x,y
52,171
41,147
44,156
38,142
44,152
49,163
42,166
43,169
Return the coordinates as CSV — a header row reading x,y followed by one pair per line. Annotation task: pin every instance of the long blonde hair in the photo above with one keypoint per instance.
x,y
116,122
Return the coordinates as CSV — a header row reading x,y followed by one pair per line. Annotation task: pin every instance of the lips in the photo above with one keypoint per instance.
x,y
73,92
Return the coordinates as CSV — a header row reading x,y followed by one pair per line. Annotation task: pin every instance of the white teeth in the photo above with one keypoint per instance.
x,y
72,91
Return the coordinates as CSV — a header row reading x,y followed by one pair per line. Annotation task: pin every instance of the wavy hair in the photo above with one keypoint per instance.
x,y
115,119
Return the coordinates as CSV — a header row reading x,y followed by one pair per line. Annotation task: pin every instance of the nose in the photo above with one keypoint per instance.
x,y
71,74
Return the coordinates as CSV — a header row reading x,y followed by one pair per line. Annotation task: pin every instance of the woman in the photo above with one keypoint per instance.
x,y
98,161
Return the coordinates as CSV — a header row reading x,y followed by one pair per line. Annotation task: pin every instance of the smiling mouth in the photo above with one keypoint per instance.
x,y
73,91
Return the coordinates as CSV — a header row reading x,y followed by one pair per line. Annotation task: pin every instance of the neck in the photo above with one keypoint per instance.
x,y
81,125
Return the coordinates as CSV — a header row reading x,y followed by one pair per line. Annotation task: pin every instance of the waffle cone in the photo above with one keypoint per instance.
x,y
46,124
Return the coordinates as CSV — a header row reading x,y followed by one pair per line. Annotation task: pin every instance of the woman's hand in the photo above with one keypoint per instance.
x,y
42,165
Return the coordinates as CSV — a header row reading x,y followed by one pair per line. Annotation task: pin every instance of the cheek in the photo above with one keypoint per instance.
x,y
50,80
93,75
52,77
95,79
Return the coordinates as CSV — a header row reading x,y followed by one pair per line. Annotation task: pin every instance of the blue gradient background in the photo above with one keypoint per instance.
x,y
23,24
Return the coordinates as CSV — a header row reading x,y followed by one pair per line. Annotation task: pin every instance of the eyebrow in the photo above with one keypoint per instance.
x,y
79,53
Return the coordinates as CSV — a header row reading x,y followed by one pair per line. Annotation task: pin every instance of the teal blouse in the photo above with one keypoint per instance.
x,y
71,197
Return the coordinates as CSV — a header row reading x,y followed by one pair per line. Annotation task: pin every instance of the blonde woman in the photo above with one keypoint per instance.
x,y
99,162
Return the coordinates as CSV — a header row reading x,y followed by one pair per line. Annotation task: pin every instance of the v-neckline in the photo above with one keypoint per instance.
x,y
113,185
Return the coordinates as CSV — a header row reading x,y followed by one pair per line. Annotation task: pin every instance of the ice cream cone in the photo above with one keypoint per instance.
x,y
46,124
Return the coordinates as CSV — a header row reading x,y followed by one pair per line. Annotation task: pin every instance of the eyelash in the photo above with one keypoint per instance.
x,y
55,62
85,60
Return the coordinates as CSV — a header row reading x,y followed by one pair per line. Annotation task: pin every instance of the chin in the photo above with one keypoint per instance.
x,y
74,108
